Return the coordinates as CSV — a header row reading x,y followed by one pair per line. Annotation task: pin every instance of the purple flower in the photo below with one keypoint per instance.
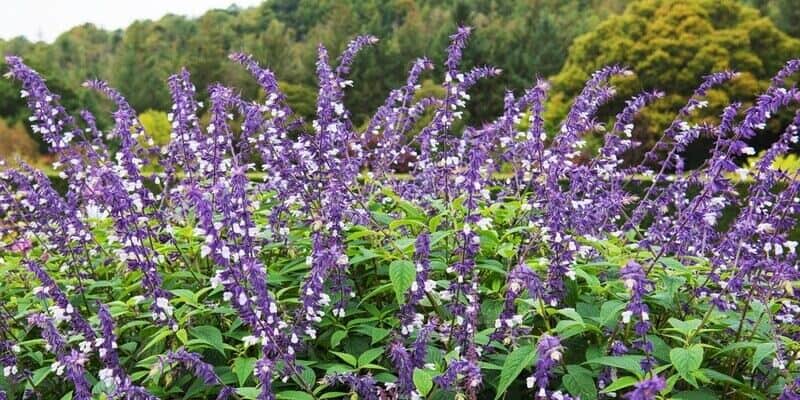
x,y
62,309
403,366
409,318
364,385
549,353
647,389
194,363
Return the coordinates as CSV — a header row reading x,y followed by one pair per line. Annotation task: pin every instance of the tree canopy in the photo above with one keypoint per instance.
x,y
670,44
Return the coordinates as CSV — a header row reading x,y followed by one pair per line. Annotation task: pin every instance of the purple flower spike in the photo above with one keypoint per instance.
x,y
549,352
647,389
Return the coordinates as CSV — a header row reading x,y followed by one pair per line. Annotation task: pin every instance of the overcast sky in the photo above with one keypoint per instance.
x,y
46,19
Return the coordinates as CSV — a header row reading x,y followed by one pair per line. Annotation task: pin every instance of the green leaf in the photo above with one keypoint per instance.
x,y
763,350
695,395
687,361
348,358
628,363
609,312
571,314
369,356
294,395
423,381
249,393
332,395
402,222
513,366
182,335
39,375
507,250
720,377
209,335
402,274
243,368
686,328
568,328
581,384
337,337
620,383
157,338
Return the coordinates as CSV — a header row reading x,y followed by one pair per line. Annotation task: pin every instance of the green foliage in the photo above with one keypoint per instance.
x,y
692,343
789,162
668,44
525,39
15,142
157,126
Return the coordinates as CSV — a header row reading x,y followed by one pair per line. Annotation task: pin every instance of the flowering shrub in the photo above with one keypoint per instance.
x,y
334,276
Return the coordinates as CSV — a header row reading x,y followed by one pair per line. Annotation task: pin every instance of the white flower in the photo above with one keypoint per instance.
x,y
215,281
530,382
748,151
765,227
57,367
484,223
626,317
10,370
743,173
570,274
106,375
250,340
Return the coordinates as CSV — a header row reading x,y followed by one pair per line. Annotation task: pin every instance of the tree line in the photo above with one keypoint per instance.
x,y
670,44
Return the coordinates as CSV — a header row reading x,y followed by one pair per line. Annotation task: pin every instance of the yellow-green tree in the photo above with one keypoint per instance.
x,y
157,126
671,45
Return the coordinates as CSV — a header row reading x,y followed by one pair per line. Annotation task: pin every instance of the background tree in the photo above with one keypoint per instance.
x,y
670,44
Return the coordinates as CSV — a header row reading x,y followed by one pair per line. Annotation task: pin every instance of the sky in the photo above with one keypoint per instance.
x,y
46,19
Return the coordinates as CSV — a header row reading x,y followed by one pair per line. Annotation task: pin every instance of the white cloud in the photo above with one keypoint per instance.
x,y
46,19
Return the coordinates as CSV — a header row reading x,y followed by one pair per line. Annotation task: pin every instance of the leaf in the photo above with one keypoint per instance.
x,y
686,328
423,381
629,363
507,250
513,366
402,274
243,368
402,222
182,335
620,383
571,314
39,375
249,393
720,377
293,395
348,358
157,338
763,350
687,361
209,335
337,337
332,395
566,328
695,395
369,356
609,312
580,384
